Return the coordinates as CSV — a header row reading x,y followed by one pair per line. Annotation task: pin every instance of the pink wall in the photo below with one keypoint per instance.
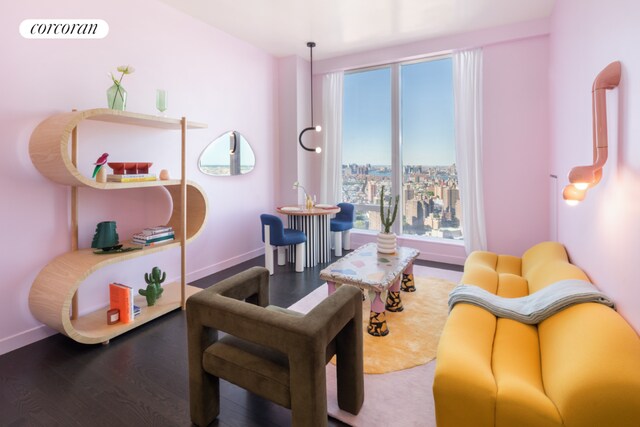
x,y
601,234
516,144
515,132
287,158
210,76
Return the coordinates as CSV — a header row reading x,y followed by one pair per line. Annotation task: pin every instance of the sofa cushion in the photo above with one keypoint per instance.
x,y
547,263
591,366
521,400
465,387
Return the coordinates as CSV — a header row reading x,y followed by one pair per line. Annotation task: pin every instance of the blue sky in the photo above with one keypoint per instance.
x,y
427,115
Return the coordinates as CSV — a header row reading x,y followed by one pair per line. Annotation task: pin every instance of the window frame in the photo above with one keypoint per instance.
x,y
396,141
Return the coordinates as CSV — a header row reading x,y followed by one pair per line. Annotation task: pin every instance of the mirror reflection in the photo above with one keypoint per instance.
x,y
229,154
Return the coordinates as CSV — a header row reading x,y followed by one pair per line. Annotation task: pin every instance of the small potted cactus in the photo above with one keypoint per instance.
x,y
154,289
386,238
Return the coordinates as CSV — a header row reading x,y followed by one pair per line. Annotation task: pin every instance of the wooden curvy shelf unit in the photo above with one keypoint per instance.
x,y
52,299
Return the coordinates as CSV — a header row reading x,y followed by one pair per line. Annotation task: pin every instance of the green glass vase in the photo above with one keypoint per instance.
x,y
117,97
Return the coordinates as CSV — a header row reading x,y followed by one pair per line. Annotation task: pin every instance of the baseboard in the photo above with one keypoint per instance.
x,y
27,337
222,265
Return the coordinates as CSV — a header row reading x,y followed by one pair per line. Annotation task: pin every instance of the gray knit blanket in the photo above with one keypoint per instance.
x,y
535,307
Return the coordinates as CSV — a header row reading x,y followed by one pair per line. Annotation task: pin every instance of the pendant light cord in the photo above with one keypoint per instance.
x,y
311,45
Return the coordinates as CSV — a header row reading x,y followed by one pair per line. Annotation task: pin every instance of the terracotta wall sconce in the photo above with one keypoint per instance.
x,y
581,178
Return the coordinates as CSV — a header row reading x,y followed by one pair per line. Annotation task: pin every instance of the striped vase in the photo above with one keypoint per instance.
x,y
387,243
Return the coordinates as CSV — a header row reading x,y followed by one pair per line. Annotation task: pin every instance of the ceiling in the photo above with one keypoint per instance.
x,y
340,27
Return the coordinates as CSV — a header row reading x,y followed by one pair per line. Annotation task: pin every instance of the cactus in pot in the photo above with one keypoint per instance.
x,y
387,221
387,239
154,289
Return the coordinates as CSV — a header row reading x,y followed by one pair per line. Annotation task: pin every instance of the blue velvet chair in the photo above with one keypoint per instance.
x,y
341,227
274,234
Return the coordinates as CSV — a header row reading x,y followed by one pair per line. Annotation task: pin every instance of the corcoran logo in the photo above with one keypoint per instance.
x,y
64,28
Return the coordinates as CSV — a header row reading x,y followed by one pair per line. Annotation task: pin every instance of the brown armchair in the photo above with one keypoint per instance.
x,y
275,353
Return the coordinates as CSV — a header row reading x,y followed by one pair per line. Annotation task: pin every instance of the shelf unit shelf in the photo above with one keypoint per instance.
x,y
52,298
93,326
141,184
137,119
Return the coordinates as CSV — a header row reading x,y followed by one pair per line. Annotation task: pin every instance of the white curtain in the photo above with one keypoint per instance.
x,y
331,179
467,89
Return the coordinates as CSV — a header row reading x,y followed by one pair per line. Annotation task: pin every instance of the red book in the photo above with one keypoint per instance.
x,y
121,297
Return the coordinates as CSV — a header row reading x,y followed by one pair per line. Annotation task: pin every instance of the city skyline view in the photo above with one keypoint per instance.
x,y
429,196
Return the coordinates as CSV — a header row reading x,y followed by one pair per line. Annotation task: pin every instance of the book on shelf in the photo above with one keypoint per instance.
x,y
136,310
139,177
142,236
158,229
149,242
121,297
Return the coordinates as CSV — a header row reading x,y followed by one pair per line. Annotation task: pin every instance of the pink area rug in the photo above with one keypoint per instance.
x,y
395,399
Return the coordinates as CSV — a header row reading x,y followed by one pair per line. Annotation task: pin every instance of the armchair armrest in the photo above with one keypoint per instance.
x,y
251,285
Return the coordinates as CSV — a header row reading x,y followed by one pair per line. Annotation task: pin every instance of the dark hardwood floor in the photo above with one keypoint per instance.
x,y
139,378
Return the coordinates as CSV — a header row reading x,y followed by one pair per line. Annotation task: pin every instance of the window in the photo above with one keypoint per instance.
x,y
398,132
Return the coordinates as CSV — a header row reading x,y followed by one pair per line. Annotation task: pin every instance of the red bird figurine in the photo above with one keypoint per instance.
x,y
99,163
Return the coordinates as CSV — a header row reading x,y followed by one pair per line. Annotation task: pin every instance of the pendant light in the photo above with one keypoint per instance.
x,y
310,45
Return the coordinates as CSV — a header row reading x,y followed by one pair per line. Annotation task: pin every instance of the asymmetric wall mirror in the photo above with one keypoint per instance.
x,y
229,154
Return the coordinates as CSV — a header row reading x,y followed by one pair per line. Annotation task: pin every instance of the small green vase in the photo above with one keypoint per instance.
x,y
117,97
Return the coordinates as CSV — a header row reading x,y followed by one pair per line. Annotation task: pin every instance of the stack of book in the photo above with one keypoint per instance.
x,y
154,235
121,298
138,177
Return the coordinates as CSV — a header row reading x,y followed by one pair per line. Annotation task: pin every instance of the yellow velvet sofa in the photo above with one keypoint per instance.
x,y
578,368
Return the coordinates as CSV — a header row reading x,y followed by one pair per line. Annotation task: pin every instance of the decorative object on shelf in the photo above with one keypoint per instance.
x,y
101,176
161,101
310,45
121,298
308,201
228,154
116,94
581,178
106,237
387,240
130,168
154,289
130,172
113,316
164,175
99,164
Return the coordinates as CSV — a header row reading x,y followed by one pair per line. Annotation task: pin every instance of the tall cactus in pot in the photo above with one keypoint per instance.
x,y
387,239
387,221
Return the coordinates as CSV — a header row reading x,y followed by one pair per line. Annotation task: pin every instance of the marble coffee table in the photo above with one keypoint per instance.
x,y
382,275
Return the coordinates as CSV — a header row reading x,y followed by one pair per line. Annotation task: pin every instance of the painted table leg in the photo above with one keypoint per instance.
x,y
408,285
331,287
394,303
377,318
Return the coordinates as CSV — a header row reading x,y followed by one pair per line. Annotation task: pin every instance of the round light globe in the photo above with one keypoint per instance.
x,y
581,185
